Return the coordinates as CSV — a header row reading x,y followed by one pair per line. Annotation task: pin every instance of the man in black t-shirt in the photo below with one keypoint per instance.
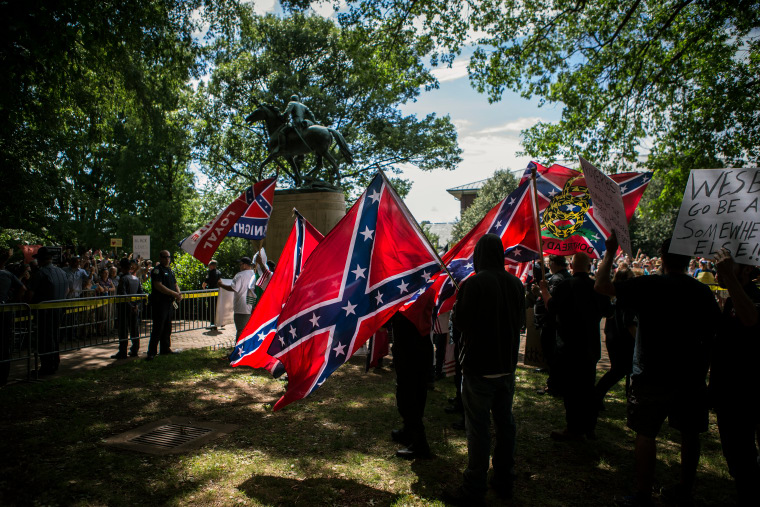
x,y
577,310
677,320
734,382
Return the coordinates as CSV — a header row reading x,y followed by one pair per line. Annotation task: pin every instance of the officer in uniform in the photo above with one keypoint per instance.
x,y
165,292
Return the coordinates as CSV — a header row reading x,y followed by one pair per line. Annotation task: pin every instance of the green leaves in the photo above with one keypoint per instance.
x,y
675,78
499,186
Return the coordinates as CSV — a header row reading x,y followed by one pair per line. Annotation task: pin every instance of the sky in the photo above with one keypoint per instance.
x,y
488,134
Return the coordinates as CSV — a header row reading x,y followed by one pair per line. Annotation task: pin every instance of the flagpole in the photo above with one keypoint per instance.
x,y
539,241
440,261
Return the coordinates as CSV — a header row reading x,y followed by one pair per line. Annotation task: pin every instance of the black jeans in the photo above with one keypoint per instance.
x,y
482,397
581,406
129,318
162,328
48,330
412,353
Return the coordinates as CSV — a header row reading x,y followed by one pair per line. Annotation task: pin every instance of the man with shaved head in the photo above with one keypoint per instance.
x,y
577,311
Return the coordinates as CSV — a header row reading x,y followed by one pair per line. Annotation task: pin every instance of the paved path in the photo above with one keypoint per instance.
x,y
93,358
99,356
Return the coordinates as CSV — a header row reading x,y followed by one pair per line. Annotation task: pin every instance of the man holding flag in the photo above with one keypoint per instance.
x,y
241,308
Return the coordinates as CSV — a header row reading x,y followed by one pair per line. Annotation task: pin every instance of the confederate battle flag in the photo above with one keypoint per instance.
x,y
373,261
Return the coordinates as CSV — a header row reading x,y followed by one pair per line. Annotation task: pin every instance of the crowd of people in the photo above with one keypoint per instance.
x,y
681,349
93,273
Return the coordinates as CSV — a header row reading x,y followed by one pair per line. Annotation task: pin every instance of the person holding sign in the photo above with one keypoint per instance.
x,y
734,383
671,358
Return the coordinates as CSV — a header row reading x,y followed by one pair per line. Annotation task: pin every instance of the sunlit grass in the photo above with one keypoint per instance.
x,y
332,449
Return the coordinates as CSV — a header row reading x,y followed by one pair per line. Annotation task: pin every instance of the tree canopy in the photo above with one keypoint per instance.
x,y
94,134
677,77
347,77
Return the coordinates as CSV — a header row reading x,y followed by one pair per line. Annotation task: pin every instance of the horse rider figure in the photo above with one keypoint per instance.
x,y
301,118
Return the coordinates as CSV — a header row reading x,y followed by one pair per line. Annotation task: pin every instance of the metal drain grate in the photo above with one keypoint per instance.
x,y
170,436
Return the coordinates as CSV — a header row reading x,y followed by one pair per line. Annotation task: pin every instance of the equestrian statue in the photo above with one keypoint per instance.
x,y
300,137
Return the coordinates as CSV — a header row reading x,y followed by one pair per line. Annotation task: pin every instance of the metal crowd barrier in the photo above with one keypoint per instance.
x,y
26,330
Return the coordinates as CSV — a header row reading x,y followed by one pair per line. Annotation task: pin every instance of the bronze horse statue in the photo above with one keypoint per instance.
x,y
314,139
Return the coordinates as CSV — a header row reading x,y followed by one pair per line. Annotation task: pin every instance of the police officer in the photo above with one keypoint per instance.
x,y
165,292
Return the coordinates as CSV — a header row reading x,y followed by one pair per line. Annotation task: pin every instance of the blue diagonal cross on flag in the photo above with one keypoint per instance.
x,y
373,261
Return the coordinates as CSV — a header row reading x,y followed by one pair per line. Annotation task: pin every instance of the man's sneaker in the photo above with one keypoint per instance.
x,y
503,488
119,356
133,353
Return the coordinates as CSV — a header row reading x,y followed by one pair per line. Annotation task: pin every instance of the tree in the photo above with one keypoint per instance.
x,y
93,131
499,186
347,78
678,75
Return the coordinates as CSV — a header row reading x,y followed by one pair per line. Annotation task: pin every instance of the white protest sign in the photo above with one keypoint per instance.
x,y
720,209
141,246
608,203
224,305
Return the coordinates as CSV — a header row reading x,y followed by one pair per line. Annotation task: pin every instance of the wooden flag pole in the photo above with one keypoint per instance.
x,y
539,240
406,210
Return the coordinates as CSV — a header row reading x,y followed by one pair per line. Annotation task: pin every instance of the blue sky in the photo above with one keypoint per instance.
x,y
488,134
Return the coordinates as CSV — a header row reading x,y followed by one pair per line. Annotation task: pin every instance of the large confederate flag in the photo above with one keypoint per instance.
x,y
251,348
374,260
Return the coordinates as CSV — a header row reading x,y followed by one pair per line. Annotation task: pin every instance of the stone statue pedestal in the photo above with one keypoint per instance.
x,y
322,208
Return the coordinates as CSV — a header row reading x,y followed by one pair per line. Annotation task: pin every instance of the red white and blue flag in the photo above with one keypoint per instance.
x,y
566,211
512,221
372,262
203,243
253,224
251,348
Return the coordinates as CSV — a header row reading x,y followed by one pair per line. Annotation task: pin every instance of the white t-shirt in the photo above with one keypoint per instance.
x,y
240,286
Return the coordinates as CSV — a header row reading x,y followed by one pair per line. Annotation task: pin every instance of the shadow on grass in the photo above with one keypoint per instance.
x,y
268,490
53,432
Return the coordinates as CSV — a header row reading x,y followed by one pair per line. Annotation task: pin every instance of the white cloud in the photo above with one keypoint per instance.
x,y
457,70
262,7
482,155
515,126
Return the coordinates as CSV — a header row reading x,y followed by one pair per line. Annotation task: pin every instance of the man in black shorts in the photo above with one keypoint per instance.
x,y
677,323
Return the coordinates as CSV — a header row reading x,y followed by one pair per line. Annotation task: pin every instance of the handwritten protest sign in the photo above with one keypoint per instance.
x,y
608,203
141,246
720,210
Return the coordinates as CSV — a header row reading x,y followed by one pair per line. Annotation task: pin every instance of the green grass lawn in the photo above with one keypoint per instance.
x,y
333,448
